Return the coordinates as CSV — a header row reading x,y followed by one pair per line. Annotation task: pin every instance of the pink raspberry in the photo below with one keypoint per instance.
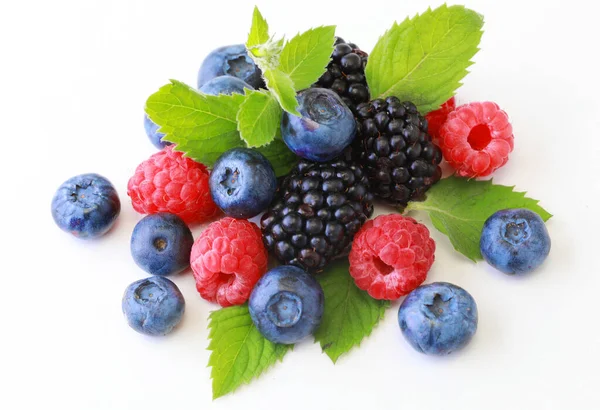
x,y
391,256
227,259
476,139
437,118
170,182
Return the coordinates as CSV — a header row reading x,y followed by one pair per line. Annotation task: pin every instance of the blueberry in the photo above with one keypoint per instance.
x,y
161,244
155,137
86,206
153,306
286,304
225,85
438,318
230,60
324,129
515,241
242,183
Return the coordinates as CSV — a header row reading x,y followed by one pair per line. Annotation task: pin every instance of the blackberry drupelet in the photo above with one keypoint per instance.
x,y
316,212
346,74
395,150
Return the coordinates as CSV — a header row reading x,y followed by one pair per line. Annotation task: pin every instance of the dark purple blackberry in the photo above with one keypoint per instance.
x,y
395,150
317,210
346,74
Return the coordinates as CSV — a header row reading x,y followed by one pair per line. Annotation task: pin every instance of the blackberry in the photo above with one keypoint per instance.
x,y
346,74
395,150
317,210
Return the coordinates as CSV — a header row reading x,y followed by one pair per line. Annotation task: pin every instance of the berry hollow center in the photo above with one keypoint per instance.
x,y
147,292
383,268
284,309
84,195
479,137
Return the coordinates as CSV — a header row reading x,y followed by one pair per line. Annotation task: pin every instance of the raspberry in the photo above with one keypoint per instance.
x,y
391,256
476,139
437,118
227,259
170,182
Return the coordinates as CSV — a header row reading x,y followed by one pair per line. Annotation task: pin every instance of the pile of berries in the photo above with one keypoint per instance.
x,y
353,152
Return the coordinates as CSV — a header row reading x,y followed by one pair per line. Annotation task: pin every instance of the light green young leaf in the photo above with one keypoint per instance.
x,y
280,156
203,126
239,352
259,118
259,31
350,313
424,59
282,87
305,57
459,207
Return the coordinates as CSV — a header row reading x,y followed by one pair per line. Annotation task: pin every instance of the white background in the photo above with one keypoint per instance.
x,y
75,76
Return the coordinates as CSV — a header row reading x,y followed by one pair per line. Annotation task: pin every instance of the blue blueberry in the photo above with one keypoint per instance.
x,y
230,60
155,137
286,304
242,183
515,241
86,206
225,84
325,129
438,318
161,244
153,306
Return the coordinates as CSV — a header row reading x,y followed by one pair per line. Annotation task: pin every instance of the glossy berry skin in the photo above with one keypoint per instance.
x,y
476,139
326,126
153,306
316,212
394,148
438,318
230,60
345,74
169,182
86,206
242,183
227,259
161,244
391,255
515,241
286,305
225,84
155,137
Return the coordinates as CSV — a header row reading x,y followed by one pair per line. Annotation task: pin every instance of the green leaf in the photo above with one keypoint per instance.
x,y
424,59
259,118
459,207
282,87
305,57
280,156
239,352
259,31
203,126
350,313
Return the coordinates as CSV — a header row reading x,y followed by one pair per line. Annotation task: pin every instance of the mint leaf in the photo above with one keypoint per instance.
x,y
239,352
305,57
280,156
350,313
282,87
259,118
203,126
459,207
423,59
259,31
